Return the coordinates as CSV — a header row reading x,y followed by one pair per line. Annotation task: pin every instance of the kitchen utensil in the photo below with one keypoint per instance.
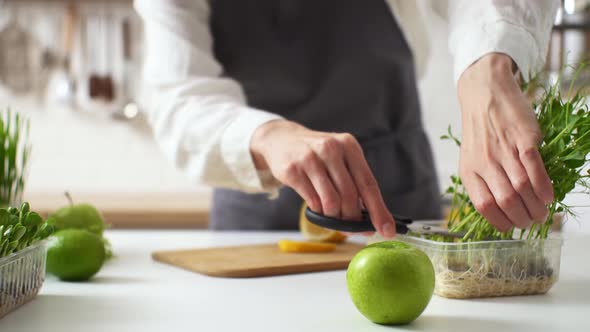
x,y
403,225
16,47
62,85
129,110
256,260
101,85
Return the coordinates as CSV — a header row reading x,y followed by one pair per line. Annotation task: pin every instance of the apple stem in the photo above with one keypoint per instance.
x,y
69,197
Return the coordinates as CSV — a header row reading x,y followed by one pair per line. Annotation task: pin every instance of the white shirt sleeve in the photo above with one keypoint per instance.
x,y
200,119
518,28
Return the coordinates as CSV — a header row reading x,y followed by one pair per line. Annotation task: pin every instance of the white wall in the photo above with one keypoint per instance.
x,y
440,106
90,152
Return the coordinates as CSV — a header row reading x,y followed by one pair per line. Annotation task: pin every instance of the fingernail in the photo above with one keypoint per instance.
x,y
388,230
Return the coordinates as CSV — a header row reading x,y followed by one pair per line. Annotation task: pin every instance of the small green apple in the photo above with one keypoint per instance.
x,y
390,282
75,254
78,216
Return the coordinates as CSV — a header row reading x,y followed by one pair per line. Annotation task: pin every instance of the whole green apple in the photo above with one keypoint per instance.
x,y
390,282
75,254
78,216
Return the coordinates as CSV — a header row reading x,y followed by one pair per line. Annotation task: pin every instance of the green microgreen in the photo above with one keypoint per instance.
x,y
21,228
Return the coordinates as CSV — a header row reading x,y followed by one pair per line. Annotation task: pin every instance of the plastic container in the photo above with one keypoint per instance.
x,y
21,276
491,268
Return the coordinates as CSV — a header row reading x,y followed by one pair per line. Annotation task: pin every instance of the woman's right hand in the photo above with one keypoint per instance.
x,y
328,170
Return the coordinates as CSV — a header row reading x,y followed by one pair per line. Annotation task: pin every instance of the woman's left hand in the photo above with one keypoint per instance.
x,y
500,164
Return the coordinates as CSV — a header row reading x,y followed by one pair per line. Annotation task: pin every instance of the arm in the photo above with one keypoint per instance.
x,y
200,119
500,164
202,122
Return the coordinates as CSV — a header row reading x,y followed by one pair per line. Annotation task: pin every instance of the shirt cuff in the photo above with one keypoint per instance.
x,y
500,37
235,149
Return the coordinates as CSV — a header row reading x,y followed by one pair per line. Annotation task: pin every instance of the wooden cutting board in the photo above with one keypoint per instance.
x,y
256,260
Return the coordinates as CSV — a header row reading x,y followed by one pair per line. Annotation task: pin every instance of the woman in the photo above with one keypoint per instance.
x,y
317,100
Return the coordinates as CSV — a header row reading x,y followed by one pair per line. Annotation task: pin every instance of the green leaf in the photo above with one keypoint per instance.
x,y
25,208
12,219
45,231
8,231
575,163
4,217
32,219
18,232
11,247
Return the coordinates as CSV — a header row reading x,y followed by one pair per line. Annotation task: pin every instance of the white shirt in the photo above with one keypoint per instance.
x,y
202,122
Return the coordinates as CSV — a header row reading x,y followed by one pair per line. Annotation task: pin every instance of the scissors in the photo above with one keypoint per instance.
x,y
403,225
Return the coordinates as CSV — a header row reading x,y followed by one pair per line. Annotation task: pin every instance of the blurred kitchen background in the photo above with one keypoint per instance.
x,y
73,67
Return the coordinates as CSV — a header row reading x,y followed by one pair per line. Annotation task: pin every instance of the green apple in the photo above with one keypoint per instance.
x,y
75,254
390,282
78,216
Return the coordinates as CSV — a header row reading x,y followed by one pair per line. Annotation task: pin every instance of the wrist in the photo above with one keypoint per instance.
x,y
498,63
260,138
490,67
491,76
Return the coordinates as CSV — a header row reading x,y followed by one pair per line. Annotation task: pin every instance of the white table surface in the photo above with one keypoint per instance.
x,y
134,293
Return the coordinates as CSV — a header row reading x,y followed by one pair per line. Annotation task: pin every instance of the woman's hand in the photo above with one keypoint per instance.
x,y
500,164
328,170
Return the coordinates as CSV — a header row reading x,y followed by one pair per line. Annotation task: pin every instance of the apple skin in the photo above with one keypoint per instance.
x,y
390,282
80,216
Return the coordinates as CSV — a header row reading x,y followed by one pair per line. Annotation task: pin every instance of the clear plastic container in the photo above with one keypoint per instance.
x,y
21,276
491,268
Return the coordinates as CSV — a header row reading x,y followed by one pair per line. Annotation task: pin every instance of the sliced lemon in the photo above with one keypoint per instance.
x,y
302,246
313,232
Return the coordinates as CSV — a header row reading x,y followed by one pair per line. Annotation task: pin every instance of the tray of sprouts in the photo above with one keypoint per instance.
x,y
22,231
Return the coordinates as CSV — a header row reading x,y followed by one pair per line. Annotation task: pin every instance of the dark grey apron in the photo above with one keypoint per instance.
x,y
335,66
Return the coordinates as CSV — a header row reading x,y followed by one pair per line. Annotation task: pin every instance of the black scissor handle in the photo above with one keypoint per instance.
x,y
354,226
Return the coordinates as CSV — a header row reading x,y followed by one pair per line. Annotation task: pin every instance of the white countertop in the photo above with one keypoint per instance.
x,y
134,293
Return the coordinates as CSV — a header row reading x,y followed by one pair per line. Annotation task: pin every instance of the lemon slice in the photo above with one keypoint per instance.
x,y
316,233
305,247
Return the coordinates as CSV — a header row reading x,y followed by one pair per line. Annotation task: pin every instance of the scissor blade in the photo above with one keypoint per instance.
x,y
427,229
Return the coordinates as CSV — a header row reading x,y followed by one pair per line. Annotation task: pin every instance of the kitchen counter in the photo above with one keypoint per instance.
x,y
132,292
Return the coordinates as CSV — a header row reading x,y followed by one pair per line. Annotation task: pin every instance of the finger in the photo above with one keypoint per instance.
x,y
317,174
521,183
533,163
331,153
363,233
302,185
369,190
484,202
506,197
